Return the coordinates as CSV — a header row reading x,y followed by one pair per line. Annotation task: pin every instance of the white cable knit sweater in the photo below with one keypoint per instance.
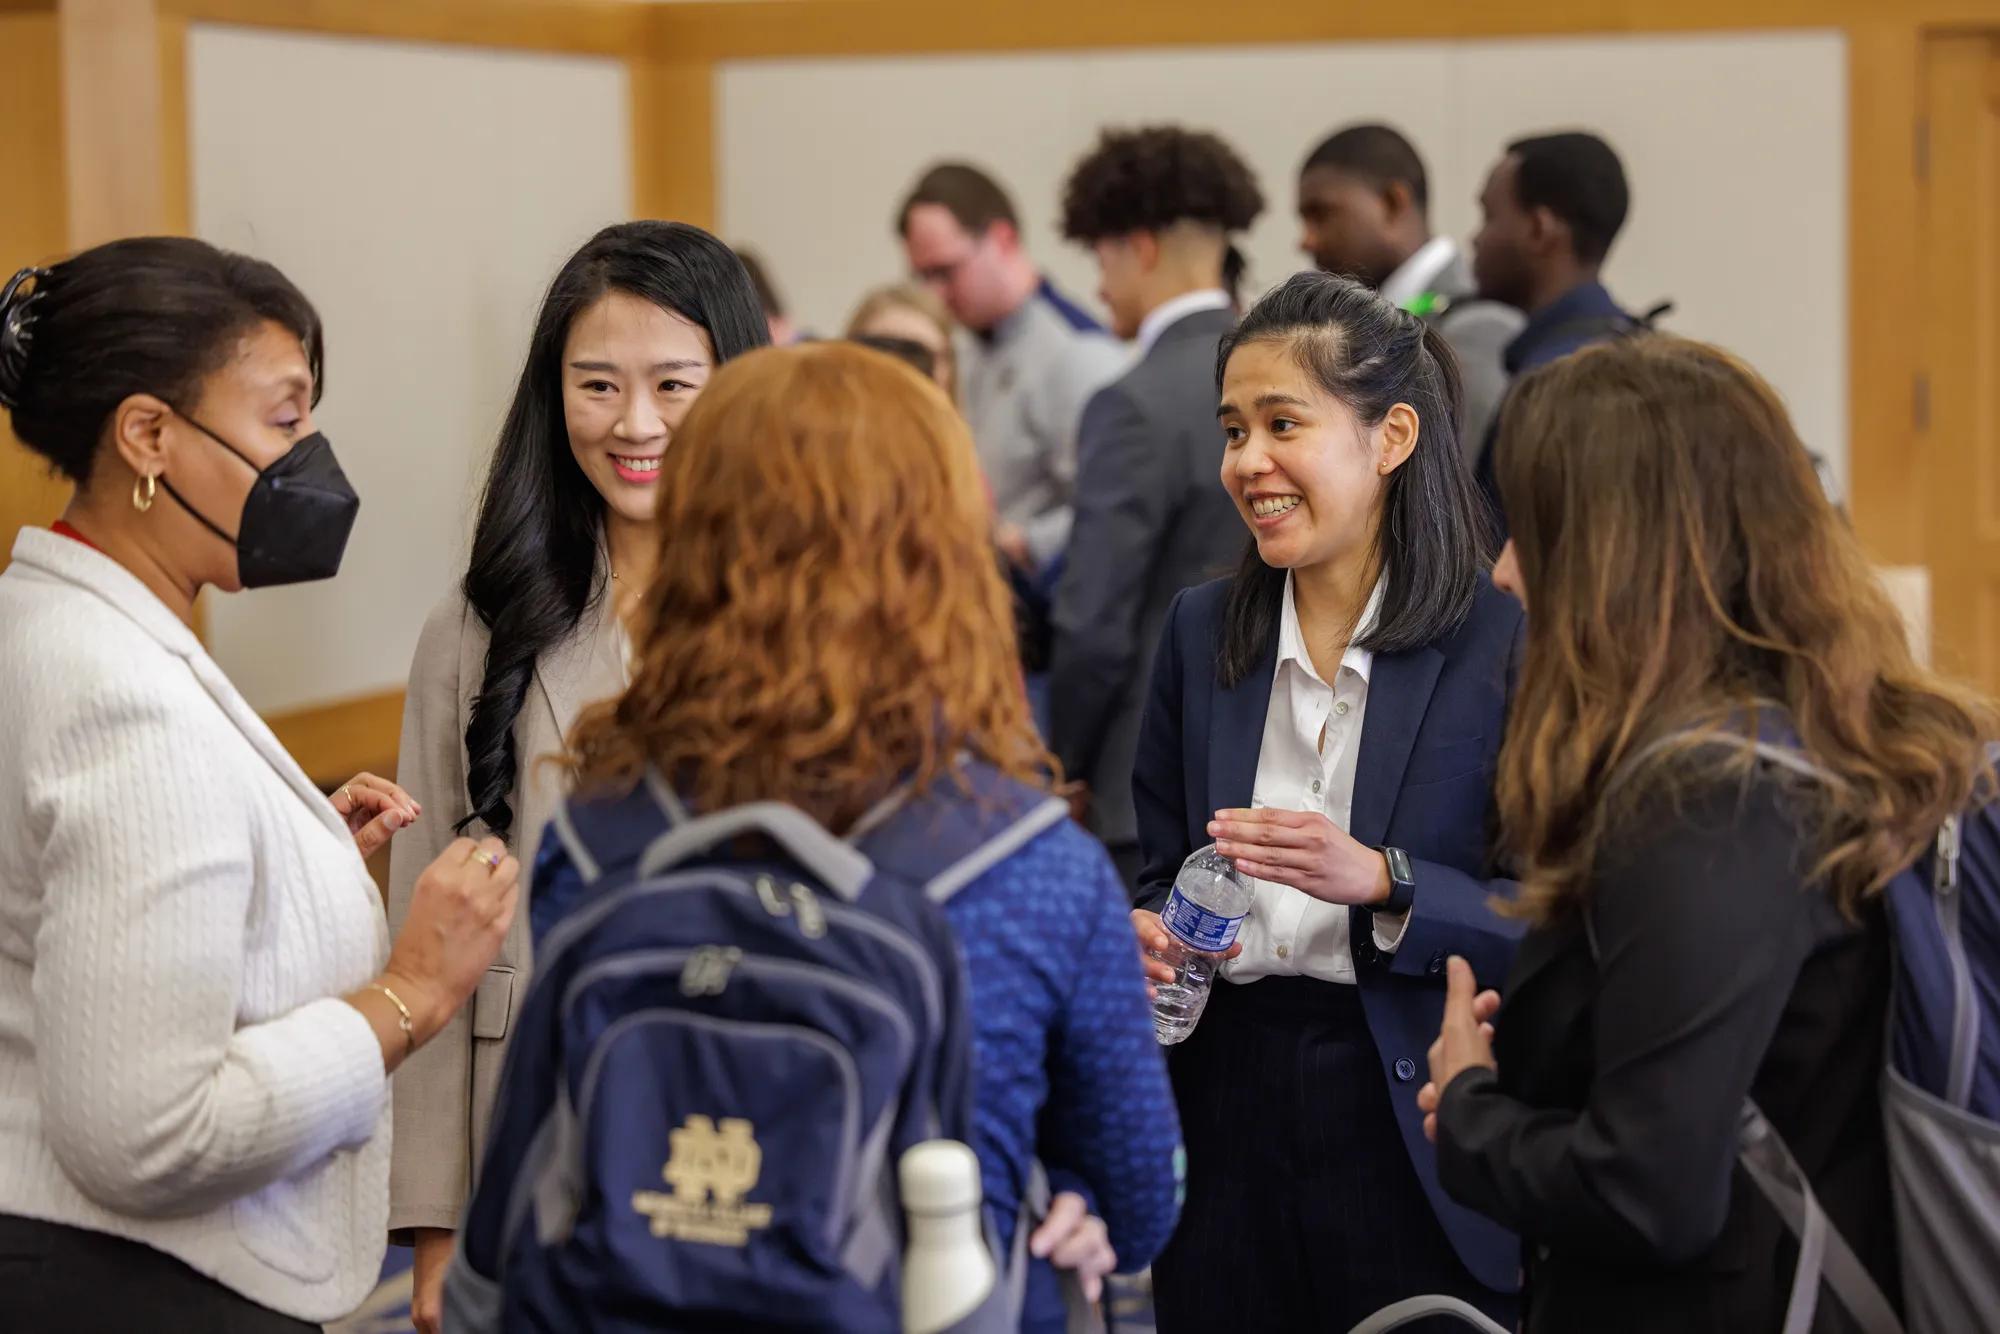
x,y
179,912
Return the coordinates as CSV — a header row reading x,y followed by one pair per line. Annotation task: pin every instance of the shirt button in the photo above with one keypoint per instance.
x,y
1316,786
1284,951
1341,708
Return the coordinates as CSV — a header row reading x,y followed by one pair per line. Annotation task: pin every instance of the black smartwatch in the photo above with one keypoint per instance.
x,y
1402,882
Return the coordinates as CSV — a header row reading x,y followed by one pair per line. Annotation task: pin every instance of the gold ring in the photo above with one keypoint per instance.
x,y
345,792
491,859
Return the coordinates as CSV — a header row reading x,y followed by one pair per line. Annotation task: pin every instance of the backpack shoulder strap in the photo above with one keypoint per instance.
x,y
1823,1252
599,833
948,836
840,866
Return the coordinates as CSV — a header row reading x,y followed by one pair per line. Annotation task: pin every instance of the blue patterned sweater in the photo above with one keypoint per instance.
x,y
1067,1066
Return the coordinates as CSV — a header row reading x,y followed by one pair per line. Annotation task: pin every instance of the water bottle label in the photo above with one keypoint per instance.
x,y
1197,927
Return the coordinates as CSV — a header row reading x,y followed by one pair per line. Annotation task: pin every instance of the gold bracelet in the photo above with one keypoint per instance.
x,y
407,1024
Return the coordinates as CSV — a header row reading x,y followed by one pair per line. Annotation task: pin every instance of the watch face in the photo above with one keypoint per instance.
x,y
1399,865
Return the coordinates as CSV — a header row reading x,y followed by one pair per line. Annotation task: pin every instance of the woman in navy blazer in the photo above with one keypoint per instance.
x,y
1330,717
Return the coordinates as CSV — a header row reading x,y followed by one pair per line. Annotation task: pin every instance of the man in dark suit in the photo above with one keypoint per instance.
x,y
1550,210
1157,206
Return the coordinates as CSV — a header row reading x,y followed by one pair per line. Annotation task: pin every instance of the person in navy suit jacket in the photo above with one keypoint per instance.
x,y
1330,718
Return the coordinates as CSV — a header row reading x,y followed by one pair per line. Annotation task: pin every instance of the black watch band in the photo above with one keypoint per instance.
x,y
1402,882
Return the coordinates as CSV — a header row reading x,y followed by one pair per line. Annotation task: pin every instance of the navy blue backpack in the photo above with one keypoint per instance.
x,y
732,1035
1940,1101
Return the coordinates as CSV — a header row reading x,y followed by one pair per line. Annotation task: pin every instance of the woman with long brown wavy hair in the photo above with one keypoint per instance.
x,y
826,626
1706,911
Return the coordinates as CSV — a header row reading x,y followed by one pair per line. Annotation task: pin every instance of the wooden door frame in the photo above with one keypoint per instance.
x,y
1962,402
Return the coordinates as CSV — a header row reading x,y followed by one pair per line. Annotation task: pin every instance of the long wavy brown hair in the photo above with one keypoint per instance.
x,y
828,619
1685,575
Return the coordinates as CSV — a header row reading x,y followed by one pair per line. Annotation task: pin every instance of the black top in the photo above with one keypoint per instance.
x,y
1608,1137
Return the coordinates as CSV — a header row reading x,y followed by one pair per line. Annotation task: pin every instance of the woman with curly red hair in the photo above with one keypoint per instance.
x,y
826,626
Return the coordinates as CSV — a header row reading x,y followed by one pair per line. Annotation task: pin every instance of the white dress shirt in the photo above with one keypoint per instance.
x,y
1312,736
1414,276
1168,313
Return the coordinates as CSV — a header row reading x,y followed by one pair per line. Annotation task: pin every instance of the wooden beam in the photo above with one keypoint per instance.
x,y
1884,319
595,27
673,140
32,229
176,164
762,29
116,185
335,741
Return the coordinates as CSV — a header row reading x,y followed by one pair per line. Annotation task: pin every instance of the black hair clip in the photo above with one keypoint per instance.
x,y
17,331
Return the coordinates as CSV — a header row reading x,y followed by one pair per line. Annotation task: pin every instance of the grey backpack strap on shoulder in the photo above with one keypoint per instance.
x,y
1823,1252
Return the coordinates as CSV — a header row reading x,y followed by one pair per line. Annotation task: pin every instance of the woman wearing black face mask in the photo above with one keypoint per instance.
x,y
199,1002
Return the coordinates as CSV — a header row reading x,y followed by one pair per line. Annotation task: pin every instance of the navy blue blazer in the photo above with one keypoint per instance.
x,y
1423,782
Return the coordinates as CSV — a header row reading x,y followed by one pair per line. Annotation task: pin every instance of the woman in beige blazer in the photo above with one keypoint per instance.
x,y
628,334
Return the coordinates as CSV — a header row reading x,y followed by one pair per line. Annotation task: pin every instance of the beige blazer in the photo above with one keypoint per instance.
x,y
443,1094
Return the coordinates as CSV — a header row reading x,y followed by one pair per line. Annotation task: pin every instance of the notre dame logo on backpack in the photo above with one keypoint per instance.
x,y
711,1170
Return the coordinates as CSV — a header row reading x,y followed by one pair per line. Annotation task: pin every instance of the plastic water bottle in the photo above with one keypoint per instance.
x,y
947,1269
1204,912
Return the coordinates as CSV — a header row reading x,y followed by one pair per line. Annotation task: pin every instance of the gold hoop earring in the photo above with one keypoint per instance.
x,y
142,500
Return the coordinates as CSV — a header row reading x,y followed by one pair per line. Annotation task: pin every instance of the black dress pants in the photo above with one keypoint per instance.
x,y
1303,1212
66,1280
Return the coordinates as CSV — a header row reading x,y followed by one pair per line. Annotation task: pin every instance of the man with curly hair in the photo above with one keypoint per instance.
x,y
1158,207
1364,211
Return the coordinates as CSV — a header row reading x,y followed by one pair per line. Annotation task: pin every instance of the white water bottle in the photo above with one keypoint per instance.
x,y
948,1270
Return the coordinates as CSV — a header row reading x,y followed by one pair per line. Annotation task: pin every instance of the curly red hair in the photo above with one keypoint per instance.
x,y
828,619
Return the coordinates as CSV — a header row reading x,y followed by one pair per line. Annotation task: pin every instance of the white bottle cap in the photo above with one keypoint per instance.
x,y
939,1177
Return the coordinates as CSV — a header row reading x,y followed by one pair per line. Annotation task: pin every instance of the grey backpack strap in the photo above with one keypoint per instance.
x,y
1080,1313
1823,1252
996,850
471,1302
840,866
1412,1309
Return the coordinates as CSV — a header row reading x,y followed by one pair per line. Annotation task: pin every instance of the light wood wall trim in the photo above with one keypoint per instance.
x,y
590,27
32,227
1885,316
761,29
333,742
113,173
176,165
673,139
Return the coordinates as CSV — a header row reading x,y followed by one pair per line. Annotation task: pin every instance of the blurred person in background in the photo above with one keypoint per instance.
x,y
1550,209
565,545
1364,211
1706,920
1329,717
868,649
200,1007
1158,208
779,323
915,315
1033,361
